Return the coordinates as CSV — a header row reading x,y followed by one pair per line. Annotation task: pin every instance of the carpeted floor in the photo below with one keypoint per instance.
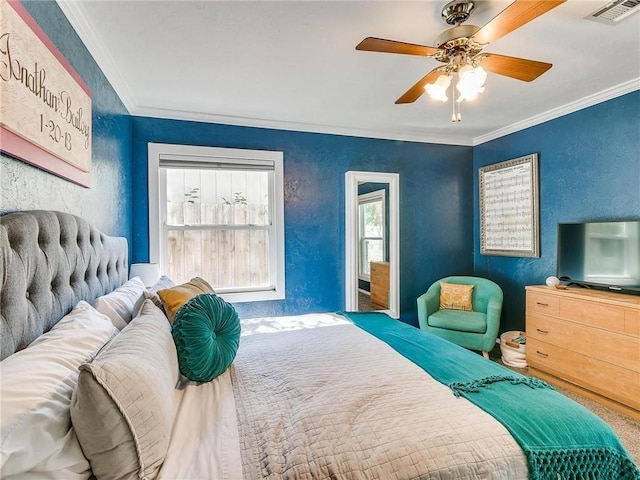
x,y
627,429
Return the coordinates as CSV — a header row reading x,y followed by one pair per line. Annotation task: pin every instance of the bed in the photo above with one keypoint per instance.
x,y
92,386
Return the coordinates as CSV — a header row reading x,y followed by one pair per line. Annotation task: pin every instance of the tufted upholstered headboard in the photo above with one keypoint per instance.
x,y
49,261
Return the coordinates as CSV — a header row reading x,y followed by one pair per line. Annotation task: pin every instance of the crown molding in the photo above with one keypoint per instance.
x,y
74,12
297,126
588,101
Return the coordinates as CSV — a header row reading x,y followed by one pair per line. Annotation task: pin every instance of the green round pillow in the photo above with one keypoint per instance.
x,y
206,331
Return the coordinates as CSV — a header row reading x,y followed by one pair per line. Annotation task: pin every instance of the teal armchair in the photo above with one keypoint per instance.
x,y
476,330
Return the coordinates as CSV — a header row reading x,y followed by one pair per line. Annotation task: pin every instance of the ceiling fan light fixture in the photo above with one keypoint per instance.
x,y
438,89
460,47
471,82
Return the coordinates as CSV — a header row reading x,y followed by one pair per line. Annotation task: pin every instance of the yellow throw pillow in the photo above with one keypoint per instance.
x,y
455,297
173,298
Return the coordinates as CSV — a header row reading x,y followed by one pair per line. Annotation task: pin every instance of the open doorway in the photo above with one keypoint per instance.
x,y
362,251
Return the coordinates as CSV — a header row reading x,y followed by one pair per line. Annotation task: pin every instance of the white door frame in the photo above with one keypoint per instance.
x,y
352,179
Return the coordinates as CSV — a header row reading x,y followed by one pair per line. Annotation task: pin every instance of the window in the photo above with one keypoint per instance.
x,y
217,213
371,213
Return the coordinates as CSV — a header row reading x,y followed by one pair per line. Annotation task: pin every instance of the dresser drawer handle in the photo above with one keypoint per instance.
x,y
544,332
540,304
542,354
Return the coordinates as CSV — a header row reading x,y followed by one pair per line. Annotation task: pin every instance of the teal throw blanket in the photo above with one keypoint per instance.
x,y
560,438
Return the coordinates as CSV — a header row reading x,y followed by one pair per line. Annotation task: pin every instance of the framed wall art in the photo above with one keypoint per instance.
x,y
509,211
45,106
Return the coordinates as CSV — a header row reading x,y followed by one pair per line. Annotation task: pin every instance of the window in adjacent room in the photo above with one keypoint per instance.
x,y
371,213
218,214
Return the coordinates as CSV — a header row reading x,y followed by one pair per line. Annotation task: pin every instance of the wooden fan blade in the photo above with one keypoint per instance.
x,y
372,44
514,16
518,68
417,90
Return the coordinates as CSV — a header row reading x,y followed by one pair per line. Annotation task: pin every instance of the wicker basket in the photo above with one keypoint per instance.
x,y
513,352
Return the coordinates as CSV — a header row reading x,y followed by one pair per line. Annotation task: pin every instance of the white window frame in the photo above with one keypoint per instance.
x,y
196,154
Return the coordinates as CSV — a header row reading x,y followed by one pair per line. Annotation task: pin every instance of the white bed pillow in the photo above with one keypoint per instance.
x,y
36,385
123,407
123,303
151,293
163,282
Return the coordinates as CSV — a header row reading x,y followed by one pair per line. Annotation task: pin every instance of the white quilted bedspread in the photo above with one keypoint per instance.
x,y
335,402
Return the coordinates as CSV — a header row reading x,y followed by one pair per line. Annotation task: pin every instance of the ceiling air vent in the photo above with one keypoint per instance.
x,y
613,12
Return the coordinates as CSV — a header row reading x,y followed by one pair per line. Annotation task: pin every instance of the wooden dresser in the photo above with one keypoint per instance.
x,y
587,341
380,284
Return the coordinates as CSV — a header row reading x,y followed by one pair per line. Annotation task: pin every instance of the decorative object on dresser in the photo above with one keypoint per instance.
x,y
587,341
476,329
380,284
552,281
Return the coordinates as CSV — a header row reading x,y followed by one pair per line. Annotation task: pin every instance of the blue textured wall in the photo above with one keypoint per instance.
x,y
436,198
589,169
107,204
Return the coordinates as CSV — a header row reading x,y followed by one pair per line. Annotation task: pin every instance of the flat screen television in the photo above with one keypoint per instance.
x,y
601,255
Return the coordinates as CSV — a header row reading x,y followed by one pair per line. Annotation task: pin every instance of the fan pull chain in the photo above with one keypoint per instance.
x,y
453,105
455,117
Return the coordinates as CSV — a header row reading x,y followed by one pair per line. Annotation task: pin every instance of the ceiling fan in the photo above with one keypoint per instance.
x,y
460,49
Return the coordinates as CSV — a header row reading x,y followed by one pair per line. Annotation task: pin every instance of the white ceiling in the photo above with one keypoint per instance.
x,y
293,65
